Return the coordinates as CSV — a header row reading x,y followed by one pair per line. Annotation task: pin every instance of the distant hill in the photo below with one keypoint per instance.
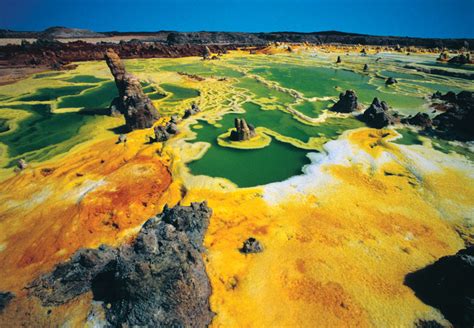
x,y
241,38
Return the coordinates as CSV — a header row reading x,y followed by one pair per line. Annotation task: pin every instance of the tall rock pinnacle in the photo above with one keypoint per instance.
x,y
132,102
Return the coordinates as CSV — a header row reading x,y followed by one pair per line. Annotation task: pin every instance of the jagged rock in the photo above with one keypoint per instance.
x,y
420,119
366,67
347,102
243,131
5,298
447,285
21,164
443,57
461,59
191,111
158,281
390,81
206,53
122,138
378,115
251,245
458,120
132,102
363,52
338,60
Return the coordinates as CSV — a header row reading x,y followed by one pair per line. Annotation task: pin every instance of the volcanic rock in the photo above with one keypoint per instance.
x,y
251,245
378,115
443,57
462,59
164,132
137,108
458,120
338,60
243,131
447,285
420,119
21,164
157,281
5,298
191,111
366,67
347,102
206,53
390,81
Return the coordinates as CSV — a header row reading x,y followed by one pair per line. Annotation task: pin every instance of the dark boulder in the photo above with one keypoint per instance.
x,y
366,67
191,111
251,245
132,102
338,60
458,120
390,81
158,281
378,115
420,119
461,59
5,298
347,102
243,131
448,285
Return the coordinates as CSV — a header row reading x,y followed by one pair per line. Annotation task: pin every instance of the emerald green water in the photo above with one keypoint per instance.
x,y
45,94
44,131
179,93
247,168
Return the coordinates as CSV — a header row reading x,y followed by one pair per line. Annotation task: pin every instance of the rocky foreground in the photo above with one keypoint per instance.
x,y
158,280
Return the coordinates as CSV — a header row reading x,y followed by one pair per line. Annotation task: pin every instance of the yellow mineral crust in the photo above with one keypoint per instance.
x,y
99,194
336,257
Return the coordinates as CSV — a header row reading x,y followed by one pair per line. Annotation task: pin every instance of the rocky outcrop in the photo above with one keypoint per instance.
x,y
191,111
443,57
157,281
347,102
338,60
420,119
243,131
447,285
390,81
5,298
132,102
366,67
458,119
461,59
378,115
251,245
206,54
165,132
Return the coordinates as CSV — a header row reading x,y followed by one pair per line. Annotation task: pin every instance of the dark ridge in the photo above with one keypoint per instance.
x,y
158,281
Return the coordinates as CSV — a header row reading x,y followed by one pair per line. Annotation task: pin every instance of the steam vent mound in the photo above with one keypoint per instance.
x,y
132,102
157,281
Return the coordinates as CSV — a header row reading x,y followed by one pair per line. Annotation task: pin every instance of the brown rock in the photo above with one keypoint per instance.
x,y
137,108
243,131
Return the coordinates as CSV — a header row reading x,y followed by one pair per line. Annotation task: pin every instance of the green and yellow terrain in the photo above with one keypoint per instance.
x,y
343,211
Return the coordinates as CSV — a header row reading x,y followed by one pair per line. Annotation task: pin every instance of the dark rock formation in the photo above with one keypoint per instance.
x,y
191,111
21,164
366,67
420,119
5,298
206,54
461,59
458,120
157,281
428,324
448,285
347,102
378,115
164,132
243,131
137,108
443,57
338,60
390,81
251,245
363,52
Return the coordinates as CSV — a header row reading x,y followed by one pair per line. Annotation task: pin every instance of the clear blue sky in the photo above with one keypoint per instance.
x,y
423,18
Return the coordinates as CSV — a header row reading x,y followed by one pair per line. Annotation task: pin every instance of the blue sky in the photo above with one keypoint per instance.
x,y
423,18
